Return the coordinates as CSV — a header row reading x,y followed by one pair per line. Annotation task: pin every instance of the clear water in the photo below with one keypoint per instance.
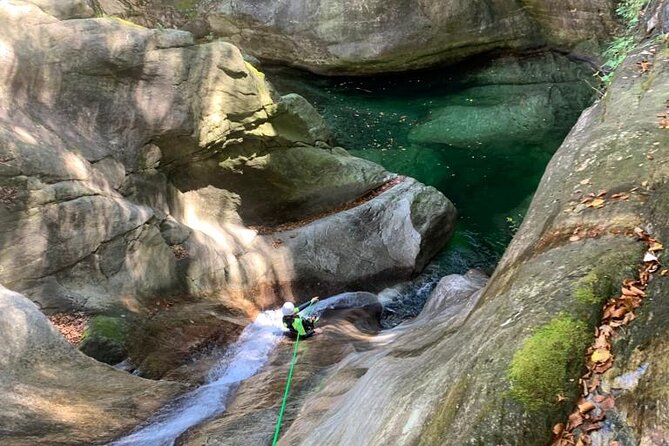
x,y
491,183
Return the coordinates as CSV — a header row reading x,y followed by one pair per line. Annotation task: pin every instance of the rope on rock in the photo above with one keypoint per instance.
x,y
285,392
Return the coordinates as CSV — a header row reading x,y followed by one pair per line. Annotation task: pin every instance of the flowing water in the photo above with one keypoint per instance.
x,y
438,127
242,360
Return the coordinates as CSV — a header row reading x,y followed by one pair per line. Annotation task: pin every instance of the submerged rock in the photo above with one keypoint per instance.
x,y
516,100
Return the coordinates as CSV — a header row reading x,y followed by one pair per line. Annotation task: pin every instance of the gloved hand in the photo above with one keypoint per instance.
x,y
314,300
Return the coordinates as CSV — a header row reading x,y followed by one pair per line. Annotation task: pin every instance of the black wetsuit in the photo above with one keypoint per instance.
x,y
307,323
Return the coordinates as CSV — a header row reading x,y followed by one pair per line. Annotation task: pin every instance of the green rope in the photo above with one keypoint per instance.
x,y
285,393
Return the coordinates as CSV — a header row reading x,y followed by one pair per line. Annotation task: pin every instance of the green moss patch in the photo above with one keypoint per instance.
x,y
113,328
541,369
105,339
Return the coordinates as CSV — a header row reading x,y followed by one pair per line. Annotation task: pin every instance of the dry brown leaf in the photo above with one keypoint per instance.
x,y
619,312
608,403
602,193
603,367
629,317
597,203
592,427
655,246
602,342
574,238
586,407
637,291
575,420
605,329
664,272
558,429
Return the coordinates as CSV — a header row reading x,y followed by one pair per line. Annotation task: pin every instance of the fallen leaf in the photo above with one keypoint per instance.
x,y
655,246
649,257
602,342
558,429
597,203
601,193
575,420
585,182
608,403
600,355
629,317
603,367
561,398
574,238
664,272
637,291
586,407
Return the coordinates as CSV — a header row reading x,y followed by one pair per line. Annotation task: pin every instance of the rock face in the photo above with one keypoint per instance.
x,y
449,378
135,164
51,394
368,373
357,37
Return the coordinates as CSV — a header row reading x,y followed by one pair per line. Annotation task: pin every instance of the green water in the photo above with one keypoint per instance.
x,y
450,129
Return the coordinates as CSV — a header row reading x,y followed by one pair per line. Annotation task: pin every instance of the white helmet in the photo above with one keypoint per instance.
x,y
288,308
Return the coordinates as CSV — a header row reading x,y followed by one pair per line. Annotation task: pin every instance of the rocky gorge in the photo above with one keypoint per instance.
x,y
156,186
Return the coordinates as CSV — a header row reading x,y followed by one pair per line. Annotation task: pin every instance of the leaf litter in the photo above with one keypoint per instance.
x,y
594,403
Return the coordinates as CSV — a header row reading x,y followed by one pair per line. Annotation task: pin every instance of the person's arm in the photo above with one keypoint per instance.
x,y
307,304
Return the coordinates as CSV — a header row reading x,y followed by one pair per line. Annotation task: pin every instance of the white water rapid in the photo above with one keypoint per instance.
x,y
242,360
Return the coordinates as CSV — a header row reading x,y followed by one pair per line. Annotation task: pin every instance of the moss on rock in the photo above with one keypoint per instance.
x,y
105,339
541,368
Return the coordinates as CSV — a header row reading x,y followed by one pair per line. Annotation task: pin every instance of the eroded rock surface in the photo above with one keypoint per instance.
x,y
376,36
448,379
51,394
134,163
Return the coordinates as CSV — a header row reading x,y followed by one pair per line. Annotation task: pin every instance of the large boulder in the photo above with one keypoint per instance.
x,y
51,394
356,37
135,164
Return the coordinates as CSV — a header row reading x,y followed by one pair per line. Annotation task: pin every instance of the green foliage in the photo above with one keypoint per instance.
x,y
541,368
629,11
